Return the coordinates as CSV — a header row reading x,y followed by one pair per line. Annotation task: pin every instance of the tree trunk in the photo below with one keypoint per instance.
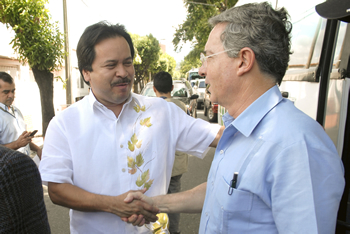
x,y
44,79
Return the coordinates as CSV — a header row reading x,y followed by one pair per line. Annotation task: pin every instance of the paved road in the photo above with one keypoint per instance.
x,y
189,223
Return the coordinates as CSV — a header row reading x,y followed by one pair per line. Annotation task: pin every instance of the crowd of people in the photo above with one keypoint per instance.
x,y
115,158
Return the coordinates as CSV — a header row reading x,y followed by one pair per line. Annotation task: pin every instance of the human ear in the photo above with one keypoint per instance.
x,y
246,58
86,75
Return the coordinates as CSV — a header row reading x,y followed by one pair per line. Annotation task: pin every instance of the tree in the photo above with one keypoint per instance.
x,y
196,29
37,42
165,63
147,51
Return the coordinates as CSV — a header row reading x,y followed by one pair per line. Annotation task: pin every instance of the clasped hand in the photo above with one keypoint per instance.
x,y
138,219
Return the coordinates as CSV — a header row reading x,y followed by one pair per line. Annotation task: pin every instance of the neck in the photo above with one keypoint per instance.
x,y
250,92
167,95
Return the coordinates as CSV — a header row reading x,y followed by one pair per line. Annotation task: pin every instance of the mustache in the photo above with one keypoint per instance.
x,y
125,80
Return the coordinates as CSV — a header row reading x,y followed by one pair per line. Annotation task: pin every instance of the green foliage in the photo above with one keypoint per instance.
x,y
196,29
165,63
37,41
147,51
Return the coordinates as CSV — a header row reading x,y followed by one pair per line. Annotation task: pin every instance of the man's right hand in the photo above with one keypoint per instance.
x,y
23,140
134,206
137,220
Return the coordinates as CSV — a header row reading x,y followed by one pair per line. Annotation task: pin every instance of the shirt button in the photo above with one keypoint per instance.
x,y
123,170
212,183
222,208
206,213
221,151
121,146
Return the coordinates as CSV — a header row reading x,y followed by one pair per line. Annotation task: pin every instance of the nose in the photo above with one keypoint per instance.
x,y
121,71
11,94
202,71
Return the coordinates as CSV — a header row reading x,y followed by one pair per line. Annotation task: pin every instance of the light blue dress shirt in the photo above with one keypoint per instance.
x,y
12,125
290,175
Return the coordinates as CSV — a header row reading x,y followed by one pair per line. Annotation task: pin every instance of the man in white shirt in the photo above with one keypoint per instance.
x,y
13,133
113,141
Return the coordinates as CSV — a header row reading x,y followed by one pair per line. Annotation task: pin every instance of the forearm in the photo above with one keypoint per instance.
x,y
73,197
13,145
34,147
190,201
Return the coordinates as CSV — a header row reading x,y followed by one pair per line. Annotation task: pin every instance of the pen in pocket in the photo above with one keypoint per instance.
x,y
233,183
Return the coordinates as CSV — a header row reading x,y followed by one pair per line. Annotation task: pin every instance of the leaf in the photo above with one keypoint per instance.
x,y
131,162
131,145
132,171
137,108
148,184
132,165
146,122
139,160
143,108
134,138
141,180
139,143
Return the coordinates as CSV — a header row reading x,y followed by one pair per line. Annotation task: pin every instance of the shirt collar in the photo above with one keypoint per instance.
x,y
247,121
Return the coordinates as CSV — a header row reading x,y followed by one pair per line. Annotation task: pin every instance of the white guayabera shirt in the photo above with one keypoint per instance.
x,y
87,146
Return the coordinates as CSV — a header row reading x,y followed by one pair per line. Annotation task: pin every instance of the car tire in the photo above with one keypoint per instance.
x,y
205,110
212,117
199,105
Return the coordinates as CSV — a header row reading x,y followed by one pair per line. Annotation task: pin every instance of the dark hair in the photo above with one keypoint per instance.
x,y
93,35
163,82
261,28
6,77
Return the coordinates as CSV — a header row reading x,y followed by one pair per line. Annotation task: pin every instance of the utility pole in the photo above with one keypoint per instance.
x,y
67,56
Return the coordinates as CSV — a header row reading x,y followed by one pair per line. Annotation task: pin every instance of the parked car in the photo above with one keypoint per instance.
x,y
210,109
182,91
199,88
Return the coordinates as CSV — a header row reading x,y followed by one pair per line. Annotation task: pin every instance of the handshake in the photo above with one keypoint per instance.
x,y
144,207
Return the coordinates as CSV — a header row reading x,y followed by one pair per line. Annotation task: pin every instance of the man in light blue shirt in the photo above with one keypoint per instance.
x,y
275,169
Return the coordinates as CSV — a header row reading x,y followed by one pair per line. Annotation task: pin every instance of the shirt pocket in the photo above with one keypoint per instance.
x,y
235,208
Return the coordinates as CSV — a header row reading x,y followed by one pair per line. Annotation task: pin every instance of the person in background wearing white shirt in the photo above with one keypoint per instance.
x,y
113,141
275,170
13,132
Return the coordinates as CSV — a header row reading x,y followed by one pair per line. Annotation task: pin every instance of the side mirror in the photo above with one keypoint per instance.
x,y
194,96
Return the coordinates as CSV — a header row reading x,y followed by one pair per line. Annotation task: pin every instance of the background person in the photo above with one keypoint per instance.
x,y
162,86
13,133
289,176
22,207
113,141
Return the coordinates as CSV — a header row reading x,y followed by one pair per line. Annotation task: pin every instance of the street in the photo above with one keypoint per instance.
x,y
189,223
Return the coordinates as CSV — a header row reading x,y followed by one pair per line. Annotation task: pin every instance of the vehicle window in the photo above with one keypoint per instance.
x,y
149,92
339,45
179,90
304,34
202,84
318,46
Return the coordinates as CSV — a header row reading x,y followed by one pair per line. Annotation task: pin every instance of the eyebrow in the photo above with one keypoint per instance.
x,y
116,61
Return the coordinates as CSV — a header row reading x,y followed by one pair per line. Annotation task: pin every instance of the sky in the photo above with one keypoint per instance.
x,y
156,17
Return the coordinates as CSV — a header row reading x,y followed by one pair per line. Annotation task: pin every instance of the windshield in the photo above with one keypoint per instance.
x,y
149,91
179,90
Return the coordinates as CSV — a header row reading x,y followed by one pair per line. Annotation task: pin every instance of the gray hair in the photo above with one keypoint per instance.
x,y
261,28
